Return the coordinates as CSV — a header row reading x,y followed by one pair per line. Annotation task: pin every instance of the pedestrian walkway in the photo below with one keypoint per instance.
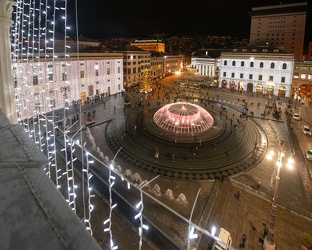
x,y
249,214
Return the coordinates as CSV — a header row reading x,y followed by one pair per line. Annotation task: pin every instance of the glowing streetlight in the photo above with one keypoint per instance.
x,y
269,242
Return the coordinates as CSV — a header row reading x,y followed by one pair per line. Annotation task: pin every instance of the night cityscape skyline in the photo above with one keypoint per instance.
x,y
98,19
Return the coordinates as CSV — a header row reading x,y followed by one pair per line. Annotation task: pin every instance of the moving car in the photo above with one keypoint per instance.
x,y
225,240
296,116
309,153
306,130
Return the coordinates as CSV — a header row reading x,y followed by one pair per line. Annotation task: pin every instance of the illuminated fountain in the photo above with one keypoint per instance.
x,y
184,118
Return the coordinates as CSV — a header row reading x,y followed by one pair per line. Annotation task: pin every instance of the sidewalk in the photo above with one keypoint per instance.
x,y
250,214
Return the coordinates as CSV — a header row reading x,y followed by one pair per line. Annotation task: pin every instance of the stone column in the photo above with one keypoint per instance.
x,y
7,98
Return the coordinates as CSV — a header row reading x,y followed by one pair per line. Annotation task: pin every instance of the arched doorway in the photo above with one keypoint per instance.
x,y
281,91
305,91
240,86
250,87
224,84
259,89
270,89
232,85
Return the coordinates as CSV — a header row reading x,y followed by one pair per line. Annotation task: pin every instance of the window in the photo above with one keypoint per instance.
x,y
272,65
304,68
81,74
96,72
233,63
296,75
242,63
271,78
303,76
250,76
64,76
297,68
225,62
118,70
261,64
233,75
241,75
224,74
35,80
260,77
108,71
284,66
50,77
251,64
283,79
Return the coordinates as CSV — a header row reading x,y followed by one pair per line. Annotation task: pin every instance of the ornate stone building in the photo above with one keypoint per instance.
x,y
261,70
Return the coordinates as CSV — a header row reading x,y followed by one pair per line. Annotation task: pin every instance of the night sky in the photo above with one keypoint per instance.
x,y
137,18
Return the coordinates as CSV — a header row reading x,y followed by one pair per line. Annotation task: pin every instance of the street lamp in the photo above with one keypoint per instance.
x,y
269,242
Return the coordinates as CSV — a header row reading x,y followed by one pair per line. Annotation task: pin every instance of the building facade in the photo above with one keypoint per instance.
x,y
42,86
302,80
280,26
150,45
261,70
172,64
135,61
157,66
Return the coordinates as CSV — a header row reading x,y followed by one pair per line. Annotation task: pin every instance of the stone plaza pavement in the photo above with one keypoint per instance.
x,y
251,213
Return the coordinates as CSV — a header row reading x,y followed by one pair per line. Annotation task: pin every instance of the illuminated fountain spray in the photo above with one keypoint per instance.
x,y
184,118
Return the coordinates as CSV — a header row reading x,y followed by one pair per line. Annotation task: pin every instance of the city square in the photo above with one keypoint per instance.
x,y
293,193
159,141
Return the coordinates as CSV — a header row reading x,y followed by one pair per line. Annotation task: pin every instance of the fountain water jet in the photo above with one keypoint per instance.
x,y
184,118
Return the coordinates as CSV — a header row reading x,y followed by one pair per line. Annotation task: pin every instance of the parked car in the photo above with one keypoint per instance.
x,y
296,116
309,153
225,240
306,130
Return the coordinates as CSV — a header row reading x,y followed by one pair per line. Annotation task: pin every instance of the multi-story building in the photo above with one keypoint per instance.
x,y
206,63
302,80
135,61
55,83
157,66
280,26
261,70
150,45
172,64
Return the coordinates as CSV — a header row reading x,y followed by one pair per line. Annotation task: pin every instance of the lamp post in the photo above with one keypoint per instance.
x,y
269,241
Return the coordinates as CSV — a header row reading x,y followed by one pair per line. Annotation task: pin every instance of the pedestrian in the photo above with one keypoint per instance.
x,y
265,232
238,194
156,155
244,238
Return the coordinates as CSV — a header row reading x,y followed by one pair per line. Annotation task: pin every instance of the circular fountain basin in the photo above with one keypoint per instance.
x,y
183,118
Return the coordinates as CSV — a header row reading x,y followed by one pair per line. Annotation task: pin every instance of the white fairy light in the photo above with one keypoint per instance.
x,y
111,183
